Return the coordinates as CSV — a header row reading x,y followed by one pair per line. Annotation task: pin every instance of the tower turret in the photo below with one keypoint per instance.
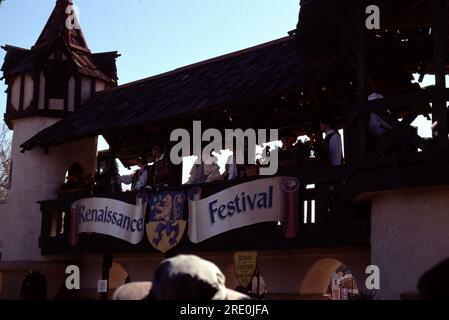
x,y
45,84
58,73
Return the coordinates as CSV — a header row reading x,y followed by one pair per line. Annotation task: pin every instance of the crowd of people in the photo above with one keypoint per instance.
x,y
162,173
323,147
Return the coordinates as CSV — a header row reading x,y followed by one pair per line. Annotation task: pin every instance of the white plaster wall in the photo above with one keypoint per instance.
x,y
409,235
56,104
99,85
71,97
28,91
35,176
41,90
15,93
283,271
86,88
54,270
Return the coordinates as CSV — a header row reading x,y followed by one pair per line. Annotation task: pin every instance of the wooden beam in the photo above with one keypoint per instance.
x,y
113,148
22,92
106,267
408,100
77,91
360,132
439,104
47,98
36,89
389,141
9,107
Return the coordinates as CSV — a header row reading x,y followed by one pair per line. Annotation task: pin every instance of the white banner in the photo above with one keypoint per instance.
x,y
264,200
109,217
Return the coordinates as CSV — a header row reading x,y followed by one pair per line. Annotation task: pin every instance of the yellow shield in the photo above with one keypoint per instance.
x,y
168,241
245,263
166,226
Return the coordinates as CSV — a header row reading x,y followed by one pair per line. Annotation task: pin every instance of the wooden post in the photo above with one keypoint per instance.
x,y
107,264
348,136
439,103
360,132
111,161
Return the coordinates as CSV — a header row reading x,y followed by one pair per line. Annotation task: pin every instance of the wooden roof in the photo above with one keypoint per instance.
x,y
97,65
56,35
56,28
320,54
270,69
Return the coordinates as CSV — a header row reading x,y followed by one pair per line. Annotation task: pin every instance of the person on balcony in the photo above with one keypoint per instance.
x,y
232,170
208,171
378,127
331,150
107,180
292,153
197,174
212,169
139,180
164,171
76,182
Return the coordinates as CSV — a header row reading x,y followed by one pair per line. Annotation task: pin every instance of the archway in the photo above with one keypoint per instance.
x,y
324,278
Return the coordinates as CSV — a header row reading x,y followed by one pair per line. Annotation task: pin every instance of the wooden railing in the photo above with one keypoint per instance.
x,y
327,215
361,152
401,157
324,221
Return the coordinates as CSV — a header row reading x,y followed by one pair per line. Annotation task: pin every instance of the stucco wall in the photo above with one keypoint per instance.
x,y
35,176
283,271
409,235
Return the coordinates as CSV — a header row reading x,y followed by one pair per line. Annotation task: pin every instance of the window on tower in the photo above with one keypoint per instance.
x,y
56,81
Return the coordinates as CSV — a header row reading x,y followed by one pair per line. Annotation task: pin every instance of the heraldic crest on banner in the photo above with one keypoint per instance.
x,y
166,224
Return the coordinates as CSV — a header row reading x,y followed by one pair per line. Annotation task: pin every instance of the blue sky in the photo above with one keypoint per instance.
x,y
155,36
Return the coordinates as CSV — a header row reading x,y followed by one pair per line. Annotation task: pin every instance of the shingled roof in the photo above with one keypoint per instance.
x,y
97,65
55,32
265,70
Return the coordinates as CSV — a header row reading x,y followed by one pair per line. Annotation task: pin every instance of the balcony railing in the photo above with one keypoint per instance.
x,y
401,158
327,215
325,220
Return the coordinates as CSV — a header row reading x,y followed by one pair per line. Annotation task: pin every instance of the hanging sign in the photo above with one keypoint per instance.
x,y
265,200
102,286
166,224
109,217
245,264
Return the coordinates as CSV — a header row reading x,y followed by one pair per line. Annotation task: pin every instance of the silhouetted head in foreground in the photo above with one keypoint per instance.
x,y
184,277
434,284
34,287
